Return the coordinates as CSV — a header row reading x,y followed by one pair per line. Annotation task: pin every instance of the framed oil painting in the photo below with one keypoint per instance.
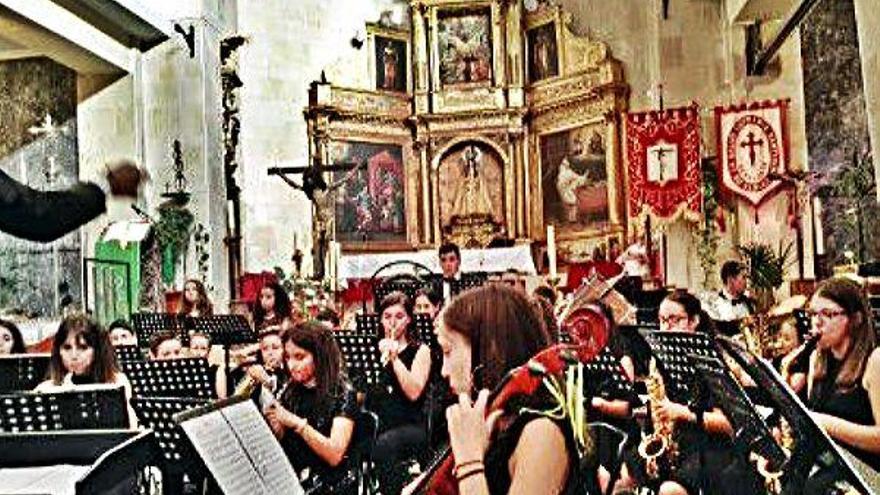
x,y
574,178
390,64
471,180
465,47
543,54
370,203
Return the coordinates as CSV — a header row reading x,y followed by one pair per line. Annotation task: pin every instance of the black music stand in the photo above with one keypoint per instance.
x,y
178,454
362,358
225,330
188,377
97,407
673,351
128,353
604,377
424,329
813,447
469,281
750,433
369,324
148,324
19,372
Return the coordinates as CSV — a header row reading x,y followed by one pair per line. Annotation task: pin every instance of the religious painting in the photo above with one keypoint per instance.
x,y
390,64
662,159
543,54
370,203
465,47
471,179
574,178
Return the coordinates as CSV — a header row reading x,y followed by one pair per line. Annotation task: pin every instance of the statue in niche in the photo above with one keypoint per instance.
x,y
473,196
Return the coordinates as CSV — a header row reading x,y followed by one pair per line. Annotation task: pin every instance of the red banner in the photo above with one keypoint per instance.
x,y
752,148
663,157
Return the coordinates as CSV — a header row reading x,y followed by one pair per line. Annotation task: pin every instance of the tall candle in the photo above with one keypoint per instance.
x,y
817,226
551,250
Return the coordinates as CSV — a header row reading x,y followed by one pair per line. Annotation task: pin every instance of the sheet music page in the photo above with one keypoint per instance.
x,y
271,463
224,456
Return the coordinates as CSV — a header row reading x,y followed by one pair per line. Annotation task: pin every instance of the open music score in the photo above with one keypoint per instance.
x,y
239,449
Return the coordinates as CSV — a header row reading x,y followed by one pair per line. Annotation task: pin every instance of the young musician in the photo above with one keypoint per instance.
x,y
199,345
314,417
165,345
733,303
843,382
121,333
450,263
269,373
722,472
402,432
273,307
195,302
484,333
11,341
427,302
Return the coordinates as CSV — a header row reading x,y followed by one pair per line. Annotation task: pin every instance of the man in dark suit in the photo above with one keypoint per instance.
x,y
44,216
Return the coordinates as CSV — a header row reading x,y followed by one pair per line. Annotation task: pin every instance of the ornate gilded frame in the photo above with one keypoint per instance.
x,y
590,90
375,30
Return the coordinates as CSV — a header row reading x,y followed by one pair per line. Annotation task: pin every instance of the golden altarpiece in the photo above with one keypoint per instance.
x,y
479,120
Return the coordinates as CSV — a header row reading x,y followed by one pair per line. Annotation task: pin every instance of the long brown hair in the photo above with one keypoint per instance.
x,y
393,299
329,365
504,328
104,366
203,304
851,298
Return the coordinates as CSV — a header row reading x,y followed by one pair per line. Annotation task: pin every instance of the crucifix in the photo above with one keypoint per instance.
x,y
320,194
660,152
751,144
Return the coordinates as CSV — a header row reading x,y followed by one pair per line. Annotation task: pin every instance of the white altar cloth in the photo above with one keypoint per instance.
x,y
362,266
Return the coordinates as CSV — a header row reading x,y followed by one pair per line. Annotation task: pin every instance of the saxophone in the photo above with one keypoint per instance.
x,y
659,443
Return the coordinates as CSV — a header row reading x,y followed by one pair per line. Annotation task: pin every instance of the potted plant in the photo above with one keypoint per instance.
x,y
766,270
173,231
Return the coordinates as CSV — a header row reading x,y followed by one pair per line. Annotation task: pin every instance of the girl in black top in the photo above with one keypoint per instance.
x,y
272,308
843,383
195,302
400,406
314,417
11,341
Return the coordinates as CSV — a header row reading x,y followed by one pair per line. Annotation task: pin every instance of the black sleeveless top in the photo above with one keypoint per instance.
x,y
504,444
390,403
852,405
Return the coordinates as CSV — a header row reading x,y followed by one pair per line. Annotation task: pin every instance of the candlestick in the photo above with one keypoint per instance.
x,y
551,250
819,233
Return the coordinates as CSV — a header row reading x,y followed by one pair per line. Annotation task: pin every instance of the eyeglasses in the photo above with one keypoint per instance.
x,y
825,314
672,320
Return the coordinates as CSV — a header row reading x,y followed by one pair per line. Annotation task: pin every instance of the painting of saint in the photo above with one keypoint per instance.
x,y
574,178
390,64
465,47
370,203
543,55
471,184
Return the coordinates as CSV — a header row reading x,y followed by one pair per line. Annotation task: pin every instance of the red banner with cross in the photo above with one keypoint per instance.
x,y
752,148
663,161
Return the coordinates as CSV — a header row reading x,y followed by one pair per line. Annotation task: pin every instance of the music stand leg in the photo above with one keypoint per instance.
x,y
227,371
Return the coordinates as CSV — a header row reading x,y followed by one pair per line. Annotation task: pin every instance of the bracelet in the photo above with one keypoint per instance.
x,y
458,466
470,473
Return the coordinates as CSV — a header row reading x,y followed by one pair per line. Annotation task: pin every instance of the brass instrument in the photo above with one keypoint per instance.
x,y
660,443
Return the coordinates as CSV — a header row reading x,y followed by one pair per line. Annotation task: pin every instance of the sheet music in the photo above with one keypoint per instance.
x,y
51,480
272,465
240,451
223,455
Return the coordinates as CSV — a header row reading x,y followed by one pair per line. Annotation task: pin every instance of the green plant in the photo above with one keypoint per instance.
x,y
766,267
173,231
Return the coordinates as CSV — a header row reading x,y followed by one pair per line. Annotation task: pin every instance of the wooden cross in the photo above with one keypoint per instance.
x,y
661,152
751,144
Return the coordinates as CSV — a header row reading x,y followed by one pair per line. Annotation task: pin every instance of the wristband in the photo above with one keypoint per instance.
x,y
470,473
458,466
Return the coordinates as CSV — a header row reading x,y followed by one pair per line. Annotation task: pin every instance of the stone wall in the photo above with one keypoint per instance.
x,y
837,132
29,90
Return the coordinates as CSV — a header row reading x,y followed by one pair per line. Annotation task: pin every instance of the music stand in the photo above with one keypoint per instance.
x,y
369,324
96,407
750,433
239,449
424,326
362,358
468,281
673,351
188,377
19,372
604,377
178,454
148,324
128,353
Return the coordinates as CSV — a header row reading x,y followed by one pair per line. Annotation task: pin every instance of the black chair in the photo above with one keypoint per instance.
x,y
366,431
